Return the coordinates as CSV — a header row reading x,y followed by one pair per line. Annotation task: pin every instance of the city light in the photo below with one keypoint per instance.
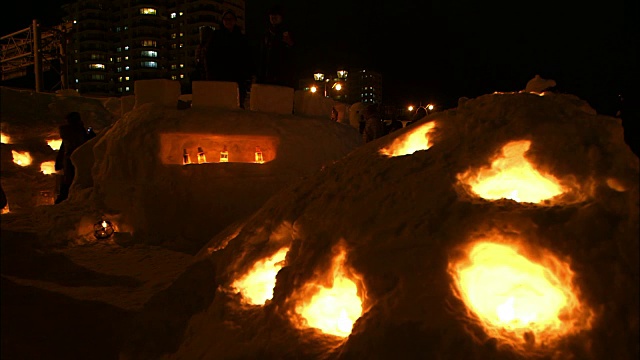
x,y
313,89
410,108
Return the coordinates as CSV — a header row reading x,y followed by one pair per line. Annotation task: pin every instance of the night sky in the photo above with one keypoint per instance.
x,y
440,50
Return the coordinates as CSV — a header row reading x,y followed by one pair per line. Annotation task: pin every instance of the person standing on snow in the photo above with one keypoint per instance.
x,y
373,125
277,65
73,135
228,55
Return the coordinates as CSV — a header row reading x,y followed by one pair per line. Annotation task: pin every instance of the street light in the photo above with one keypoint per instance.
x,y
314,89
410,108
318,76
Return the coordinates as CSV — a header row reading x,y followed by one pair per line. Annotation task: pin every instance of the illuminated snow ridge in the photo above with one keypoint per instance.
x,y
256,286
526,304
54,144
21,158
512,176
414,140
332,308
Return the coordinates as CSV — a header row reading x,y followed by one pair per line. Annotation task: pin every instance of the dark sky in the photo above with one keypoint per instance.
x,y
440,50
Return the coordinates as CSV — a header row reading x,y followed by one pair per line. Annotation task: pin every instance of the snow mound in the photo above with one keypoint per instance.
x,y
133,173
399,228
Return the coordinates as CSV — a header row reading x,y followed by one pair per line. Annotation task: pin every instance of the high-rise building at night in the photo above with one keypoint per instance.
x,y
115,42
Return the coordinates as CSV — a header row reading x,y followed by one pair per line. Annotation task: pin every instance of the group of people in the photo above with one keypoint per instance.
x,y
226,55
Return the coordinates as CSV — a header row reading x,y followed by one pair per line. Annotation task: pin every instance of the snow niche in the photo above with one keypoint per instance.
x,y
177,177
407,260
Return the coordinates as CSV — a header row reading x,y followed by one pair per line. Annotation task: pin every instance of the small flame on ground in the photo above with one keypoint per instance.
x,y
5,209
511,176
514,297
21,158
4,138
256,286
54,144
334,309
414,140
48,167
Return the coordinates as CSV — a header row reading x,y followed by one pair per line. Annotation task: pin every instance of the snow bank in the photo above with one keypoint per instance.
x,y
402,221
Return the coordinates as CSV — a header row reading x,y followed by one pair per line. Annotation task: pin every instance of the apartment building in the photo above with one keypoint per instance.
x,y
113,43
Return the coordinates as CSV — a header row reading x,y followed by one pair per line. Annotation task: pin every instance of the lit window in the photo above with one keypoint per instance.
x,y
181,76
149,64
119,89
173,15
118,59
181,66
147,11
148,43
77,81
119,69
126,67
173,46
120,79
118,29
97,77
75,61
110,59
118,49
126,47
126,58
96,66
181,45
173,77
181,13
174,35
149,53
126,78
127,88
174,66
96,57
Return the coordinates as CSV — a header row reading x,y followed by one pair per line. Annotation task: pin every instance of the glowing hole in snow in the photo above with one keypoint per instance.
x,y
517,300
54,144
21,158
256,286
48,167
4,138
333,309
511,176
414,140
5,209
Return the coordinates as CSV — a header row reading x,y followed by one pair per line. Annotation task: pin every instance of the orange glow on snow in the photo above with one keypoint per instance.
x,y
48,167
21,158
256,286
414,140
54,144
335,308
5,209
4,138
517,300
511,176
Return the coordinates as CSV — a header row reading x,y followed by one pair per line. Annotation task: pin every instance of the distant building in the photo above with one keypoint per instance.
x,y
115,42
365,85
348,86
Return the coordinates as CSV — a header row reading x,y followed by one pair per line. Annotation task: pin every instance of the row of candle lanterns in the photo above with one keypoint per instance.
x,y
224,156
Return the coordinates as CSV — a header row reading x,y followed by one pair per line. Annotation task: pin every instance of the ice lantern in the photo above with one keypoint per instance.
x,y
186,158
224,155
202,158
103,229
259,158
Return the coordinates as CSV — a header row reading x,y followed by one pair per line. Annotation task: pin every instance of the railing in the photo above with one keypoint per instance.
x,y
35,47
